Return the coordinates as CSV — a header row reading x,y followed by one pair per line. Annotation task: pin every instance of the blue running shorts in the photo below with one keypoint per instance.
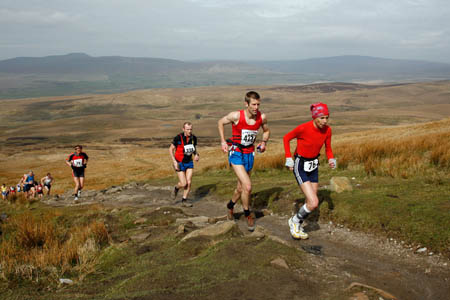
x,y
245,159
184,166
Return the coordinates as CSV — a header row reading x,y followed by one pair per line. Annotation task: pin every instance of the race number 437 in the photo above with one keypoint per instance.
x,y
248,137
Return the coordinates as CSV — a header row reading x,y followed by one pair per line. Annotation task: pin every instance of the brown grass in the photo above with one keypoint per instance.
x,y
30,141
400,152
37,247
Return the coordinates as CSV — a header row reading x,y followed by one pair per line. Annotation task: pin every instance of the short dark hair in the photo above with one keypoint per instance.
x,y
251,95
79,146
187,123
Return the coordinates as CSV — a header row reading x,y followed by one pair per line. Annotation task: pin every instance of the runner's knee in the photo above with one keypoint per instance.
x,y
313,202
247,188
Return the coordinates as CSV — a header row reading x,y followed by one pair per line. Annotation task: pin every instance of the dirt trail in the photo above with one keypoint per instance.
x,y
339,256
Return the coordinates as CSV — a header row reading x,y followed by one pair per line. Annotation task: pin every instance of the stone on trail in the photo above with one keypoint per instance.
x,y
422,250
384,294
185,227
279,262
140,237
340,184
213,220
200,221
278,240
114,189
258,233
65,281
267,212
215,230
140,221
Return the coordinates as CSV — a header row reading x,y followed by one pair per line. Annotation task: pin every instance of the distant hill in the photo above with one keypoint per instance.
x,y
361,67
80,63
78,73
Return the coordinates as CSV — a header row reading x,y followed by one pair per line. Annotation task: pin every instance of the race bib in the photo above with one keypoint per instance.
x,y
78,163
310,165
248,137
189,149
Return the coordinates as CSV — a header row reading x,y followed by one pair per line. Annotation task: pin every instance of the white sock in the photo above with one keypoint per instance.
x,y
306,208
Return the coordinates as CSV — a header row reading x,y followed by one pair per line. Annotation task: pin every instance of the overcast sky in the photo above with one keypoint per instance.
x,y
227,29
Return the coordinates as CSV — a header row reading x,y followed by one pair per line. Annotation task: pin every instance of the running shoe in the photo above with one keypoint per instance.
x,y
297,231
75,199
175,192
250,223
79,193
230,215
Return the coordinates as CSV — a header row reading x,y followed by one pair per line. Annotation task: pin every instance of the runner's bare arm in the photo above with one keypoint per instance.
x,y
69,163
266,133
232,117
172,156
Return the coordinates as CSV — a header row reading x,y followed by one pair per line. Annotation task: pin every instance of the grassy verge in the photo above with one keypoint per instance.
x,y
39,245
162,267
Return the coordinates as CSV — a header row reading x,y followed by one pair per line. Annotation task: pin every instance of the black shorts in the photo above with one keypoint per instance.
x,y
27,187
78,172
306,169
48,186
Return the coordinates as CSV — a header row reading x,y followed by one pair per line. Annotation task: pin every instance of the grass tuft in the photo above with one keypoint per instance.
x,y
36,247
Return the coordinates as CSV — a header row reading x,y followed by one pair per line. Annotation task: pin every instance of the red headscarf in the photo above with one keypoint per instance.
x,y
319,109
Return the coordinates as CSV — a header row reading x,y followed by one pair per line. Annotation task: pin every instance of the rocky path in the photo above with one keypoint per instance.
x,y
339,257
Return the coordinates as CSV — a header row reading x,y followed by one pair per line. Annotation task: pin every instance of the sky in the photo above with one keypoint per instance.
x,y
227,29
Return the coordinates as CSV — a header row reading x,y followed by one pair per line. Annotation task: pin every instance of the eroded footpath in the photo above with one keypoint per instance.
x,y
339,263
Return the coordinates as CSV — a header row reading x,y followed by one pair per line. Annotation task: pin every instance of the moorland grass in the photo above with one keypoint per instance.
x,y
42,244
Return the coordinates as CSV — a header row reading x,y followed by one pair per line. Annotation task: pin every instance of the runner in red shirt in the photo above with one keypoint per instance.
x,y
40,191
183,147
78,162
311,136
240,147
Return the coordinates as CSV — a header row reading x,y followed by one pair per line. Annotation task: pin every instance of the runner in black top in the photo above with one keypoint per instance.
x,y
78,162
181,150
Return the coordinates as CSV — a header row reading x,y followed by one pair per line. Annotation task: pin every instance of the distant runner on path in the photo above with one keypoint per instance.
x,y
245,125
5,191
78,162
28,185
183,146
46,182
311,136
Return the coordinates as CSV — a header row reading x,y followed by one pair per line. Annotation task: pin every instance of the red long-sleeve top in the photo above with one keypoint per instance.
x,y
309,140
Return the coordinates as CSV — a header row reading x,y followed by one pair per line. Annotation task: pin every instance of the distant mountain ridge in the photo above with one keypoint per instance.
x,y
77,73
357,64
83,63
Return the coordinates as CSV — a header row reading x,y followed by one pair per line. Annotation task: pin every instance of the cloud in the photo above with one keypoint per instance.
x,y
35,17
268,8
230,29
